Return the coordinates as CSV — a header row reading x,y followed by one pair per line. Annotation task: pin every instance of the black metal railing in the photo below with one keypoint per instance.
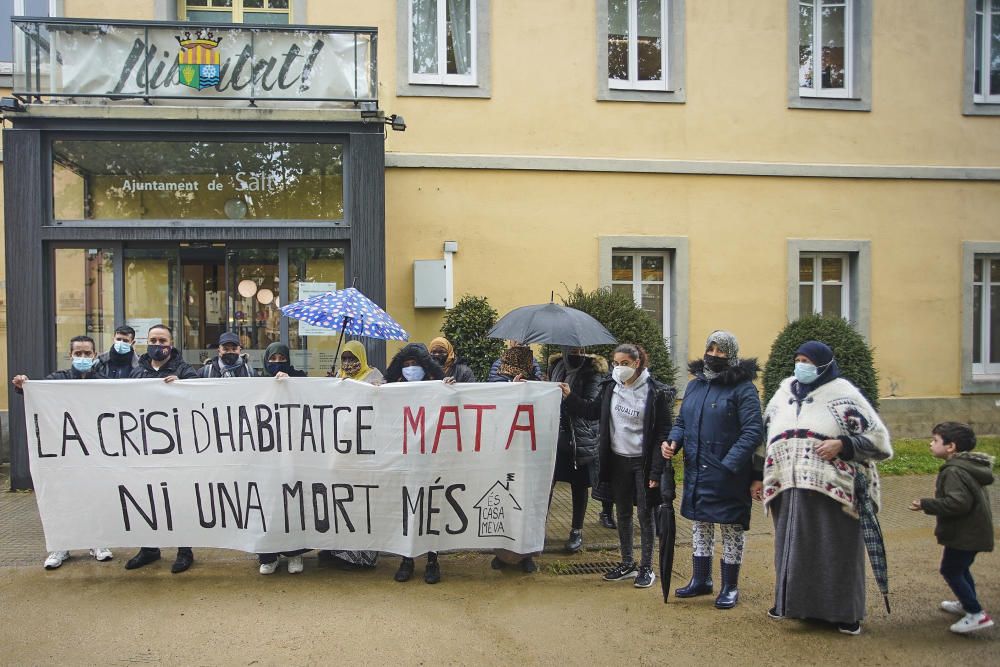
x,y
152,60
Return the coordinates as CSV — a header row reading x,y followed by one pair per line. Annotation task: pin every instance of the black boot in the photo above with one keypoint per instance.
x,y
575,541
701,578
145,556
608,520
729,595
184,560
405,570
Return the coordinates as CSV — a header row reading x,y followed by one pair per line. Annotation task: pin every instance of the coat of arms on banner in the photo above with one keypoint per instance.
x,y
198,60
495,508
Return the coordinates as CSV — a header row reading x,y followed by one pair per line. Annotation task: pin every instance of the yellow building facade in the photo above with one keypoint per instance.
x,y
734,164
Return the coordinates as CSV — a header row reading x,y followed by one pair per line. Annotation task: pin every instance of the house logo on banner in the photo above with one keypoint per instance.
x,y
198,61
496,510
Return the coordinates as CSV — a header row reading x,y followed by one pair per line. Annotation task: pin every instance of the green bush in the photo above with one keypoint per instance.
x,y
627,323
852,353
466,326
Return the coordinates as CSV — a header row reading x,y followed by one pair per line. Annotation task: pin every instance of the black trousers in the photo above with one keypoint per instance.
x,y
628,485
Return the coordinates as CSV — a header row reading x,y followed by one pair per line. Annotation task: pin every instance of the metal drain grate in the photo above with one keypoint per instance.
x,y
585,568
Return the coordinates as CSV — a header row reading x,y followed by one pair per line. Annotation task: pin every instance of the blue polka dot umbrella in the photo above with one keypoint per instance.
x,y
348,311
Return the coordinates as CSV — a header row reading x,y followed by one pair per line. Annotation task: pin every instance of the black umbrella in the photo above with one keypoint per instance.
x,y
666,525
553,324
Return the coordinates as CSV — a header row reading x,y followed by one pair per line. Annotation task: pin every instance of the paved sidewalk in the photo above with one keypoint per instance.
x,y
22,542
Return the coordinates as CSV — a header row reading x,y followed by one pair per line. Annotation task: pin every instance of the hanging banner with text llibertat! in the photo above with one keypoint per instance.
x,y
266,465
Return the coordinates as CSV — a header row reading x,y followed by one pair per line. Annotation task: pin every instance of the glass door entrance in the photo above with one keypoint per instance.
x,y
199,290
228,289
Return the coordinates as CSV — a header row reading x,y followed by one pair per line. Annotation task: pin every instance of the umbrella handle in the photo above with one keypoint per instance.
x,y
340,340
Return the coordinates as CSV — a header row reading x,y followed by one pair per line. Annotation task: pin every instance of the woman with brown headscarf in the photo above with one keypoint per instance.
x,y
443,352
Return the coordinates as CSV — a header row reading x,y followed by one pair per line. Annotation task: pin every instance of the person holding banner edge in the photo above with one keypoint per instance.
x,y
414,364
354,366
635,413
82,354
162,360
277,362
230,362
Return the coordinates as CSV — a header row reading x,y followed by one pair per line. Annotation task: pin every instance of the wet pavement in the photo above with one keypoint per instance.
x,y
22,541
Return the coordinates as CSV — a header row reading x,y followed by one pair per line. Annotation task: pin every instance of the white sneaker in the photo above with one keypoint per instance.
x,y
55,559
269,568
295,565
102,554
952,607
972,623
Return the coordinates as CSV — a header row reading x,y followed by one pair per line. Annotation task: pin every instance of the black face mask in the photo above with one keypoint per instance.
x,y
716,364
440,359
575,360
158,352
230,358
275,367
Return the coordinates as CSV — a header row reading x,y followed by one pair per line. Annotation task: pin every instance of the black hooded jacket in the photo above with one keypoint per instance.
x,y
419,353
577,434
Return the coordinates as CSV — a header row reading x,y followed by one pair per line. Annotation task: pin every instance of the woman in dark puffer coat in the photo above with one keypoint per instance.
x,y
719,426
576,452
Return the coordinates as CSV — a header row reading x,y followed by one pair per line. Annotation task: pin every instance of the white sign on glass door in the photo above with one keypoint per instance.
x,y
306,291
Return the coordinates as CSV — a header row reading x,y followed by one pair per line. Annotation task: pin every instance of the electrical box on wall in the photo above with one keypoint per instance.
x,y
433,280
430,284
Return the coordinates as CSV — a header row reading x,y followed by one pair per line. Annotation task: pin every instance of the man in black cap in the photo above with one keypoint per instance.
x,y
230,363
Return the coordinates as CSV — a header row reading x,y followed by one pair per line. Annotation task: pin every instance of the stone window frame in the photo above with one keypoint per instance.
x,y
172,10
483,85
676,248
859,270
974,384
677,90
970,107
860,98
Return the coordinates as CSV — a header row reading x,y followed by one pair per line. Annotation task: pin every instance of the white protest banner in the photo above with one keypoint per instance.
x,y
266,465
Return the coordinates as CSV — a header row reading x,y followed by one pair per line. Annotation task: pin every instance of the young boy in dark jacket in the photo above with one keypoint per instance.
x,y
964,520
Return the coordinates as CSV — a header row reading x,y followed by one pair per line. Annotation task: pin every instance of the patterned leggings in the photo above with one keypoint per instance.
x,y
733,541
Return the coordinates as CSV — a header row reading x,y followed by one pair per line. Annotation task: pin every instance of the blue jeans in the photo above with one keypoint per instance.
x,y
955,566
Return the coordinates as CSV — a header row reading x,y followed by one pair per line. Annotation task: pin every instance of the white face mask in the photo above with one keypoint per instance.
x,y
413,373
622,374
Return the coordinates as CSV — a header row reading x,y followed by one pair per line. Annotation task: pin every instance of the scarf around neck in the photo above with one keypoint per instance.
x,y
441,343
358,350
